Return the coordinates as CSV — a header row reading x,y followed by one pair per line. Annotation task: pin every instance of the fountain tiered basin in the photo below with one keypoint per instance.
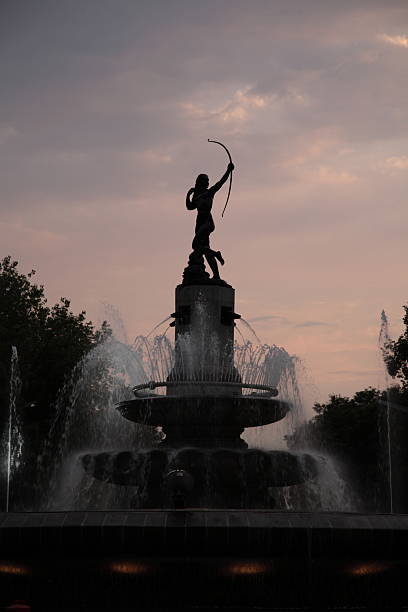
x,y
202,460
204,418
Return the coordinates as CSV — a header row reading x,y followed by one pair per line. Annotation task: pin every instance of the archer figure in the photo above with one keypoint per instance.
x,y
202,200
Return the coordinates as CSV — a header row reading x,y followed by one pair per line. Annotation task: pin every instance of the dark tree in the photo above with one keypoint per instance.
x,y
368,434
51,344
50,340
349,430
396,355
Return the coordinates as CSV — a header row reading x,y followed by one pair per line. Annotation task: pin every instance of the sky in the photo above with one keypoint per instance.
x,y
105,111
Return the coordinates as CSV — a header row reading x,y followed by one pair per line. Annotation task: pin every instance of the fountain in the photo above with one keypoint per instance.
x,y
203,461
203,533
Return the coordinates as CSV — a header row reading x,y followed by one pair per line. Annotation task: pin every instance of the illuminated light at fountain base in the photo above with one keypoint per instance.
x,y
14,569
129,567
368,568
248,568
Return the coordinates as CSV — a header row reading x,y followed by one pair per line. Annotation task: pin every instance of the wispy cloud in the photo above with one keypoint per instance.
x,y
368,373
240,107
314,324
268,318
392,166
397,162
102,137
156,157
330,176
397,40
6,133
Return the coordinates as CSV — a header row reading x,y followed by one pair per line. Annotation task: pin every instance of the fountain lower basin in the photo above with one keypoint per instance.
x,y
219,476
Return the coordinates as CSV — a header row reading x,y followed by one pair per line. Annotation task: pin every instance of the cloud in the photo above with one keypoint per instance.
x,y
105,120
236,112
397,162
241,106
330,176
357,373
156,157
268,318
312,146
7,132
314,324
392,165
397,40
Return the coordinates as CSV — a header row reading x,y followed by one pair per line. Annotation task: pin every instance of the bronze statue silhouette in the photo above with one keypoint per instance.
x,y
202,201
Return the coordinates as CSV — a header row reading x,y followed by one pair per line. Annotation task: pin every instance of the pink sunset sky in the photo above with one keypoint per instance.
x,y
105,111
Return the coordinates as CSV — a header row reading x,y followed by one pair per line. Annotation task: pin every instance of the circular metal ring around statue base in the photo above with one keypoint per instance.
x,y
203,384
223,411
220,477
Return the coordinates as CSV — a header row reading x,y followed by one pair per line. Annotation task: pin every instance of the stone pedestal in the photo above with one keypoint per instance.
x,y
204,325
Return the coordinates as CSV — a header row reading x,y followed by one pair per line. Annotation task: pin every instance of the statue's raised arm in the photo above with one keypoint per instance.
x,y
222,180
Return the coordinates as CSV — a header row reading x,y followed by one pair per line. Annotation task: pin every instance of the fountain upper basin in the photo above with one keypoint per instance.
x,y
238,411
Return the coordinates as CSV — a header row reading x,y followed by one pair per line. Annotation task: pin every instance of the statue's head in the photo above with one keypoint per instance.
x,y
201,184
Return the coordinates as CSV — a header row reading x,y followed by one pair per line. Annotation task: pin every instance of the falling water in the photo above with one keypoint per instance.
x,y
383,343
112,315
86,419
15,434
257,364
328,492
85,416
249,328
264,364
156,327
273,366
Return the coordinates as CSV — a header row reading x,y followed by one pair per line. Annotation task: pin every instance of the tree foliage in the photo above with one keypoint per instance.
x,y
350,431
396,355
50,339
344,427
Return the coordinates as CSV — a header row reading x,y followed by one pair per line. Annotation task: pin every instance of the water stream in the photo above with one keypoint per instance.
x,y
253,335
15,432
85,415
383,343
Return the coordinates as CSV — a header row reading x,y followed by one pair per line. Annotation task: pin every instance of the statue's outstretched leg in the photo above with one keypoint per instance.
x,y
217,255
201,244
212,262
207,251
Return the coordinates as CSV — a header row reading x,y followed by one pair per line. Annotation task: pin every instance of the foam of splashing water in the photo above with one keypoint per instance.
x,y
328,492
85,416
77,491
112,314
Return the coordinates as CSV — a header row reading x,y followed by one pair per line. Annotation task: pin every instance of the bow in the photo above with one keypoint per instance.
x,y
230,159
